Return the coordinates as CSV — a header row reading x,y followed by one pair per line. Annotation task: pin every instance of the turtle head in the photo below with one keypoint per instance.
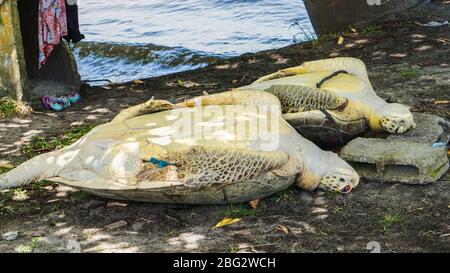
x,y
342,180
396,118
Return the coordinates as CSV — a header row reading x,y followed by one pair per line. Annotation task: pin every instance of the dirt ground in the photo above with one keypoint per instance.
x,y
408,63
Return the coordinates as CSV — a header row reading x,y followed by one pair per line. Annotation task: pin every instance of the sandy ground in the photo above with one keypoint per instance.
x,y
407,63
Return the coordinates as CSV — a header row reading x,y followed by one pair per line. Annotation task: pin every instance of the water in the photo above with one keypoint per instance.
x,y
129,40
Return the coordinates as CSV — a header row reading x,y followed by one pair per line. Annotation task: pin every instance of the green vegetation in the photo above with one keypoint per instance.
x,y
6,209
370,29
80,195
338,209
284,196
410,73
232,249
30,247
10,108
388,221
237,212
40,145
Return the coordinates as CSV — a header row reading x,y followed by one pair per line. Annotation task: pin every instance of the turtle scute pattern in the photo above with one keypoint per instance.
x,y
204,166
297,98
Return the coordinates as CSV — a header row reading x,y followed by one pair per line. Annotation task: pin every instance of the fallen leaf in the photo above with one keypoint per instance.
x,y
187,84
116,204
283,229
205,93
138,82
340,40
439,102
234,81
353,30
254,203
227,221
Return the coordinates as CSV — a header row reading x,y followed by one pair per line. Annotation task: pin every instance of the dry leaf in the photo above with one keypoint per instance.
x,y
205,93
439,102
340,40
227,221
234,81
116,204
353,30
187,84
254,203
138,82
283,229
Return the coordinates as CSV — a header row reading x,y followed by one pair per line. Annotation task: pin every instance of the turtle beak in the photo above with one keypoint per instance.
x,y
346,189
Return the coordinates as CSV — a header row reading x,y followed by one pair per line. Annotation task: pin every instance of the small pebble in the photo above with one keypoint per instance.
x,y
117,225
10,236
137,227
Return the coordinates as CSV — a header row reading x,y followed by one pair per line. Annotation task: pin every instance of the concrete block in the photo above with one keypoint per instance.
x,y
402,161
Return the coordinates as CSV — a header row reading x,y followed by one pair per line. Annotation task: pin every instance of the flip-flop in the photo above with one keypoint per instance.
x,y
56,104
74,97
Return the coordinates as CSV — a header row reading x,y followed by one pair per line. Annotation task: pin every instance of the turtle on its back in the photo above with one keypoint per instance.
x,y
332,101
145,157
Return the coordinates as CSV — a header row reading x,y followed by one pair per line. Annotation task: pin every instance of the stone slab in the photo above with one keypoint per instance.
x,y
396,160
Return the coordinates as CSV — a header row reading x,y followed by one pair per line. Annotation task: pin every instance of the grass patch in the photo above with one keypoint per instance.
x,y
284,196
370,29
6,209
5,169
237,212
410,73
232,249
11,108
388,221
30,247
338,209
80,195
305,32
40,145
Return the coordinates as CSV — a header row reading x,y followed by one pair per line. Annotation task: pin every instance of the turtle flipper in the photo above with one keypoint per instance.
x,y
235,97
291,71
297,98
350,65
150,106
205,166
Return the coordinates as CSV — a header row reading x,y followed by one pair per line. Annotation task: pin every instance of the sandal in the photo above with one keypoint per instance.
x,y
74,97
56,104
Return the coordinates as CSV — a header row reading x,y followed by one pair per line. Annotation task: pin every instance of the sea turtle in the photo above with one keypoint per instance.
x,y
332,101
211,154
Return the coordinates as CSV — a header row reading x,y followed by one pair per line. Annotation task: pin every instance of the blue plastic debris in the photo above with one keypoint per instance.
x,y
159,163
439,144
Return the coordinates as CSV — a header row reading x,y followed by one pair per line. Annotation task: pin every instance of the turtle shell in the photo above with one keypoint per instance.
x,y
258,188
326,132
160,128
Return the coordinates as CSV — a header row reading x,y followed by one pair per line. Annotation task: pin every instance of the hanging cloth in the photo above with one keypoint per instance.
x,y
52,26
73,24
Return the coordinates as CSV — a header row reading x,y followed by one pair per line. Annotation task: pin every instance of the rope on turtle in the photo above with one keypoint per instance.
x,y
319,84
328,115
330,118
